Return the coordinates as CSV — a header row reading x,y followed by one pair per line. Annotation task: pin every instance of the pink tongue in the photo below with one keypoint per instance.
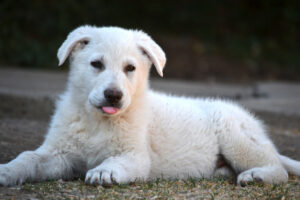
x,y
110,110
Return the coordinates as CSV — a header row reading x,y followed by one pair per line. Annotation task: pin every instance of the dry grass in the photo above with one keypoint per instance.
x,y
159,189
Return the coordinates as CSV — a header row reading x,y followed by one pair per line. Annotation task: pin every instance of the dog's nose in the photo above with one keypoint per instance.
x,y
113,95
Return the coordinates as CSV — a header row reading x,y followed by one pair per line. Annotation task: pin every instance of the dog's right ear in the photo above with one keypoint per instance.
x,y
78,35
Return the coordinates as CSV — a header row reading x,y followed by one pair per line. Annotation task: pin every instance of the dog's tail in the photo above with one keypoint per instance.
x,y
290,165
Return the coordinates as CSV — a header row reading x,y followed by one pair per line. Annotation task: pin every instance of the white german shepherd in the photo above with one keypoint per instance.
x,y
110,127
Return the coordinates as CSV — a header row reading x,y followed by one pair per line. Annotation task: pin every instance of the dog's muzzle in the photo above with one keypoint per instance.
x,y
112,102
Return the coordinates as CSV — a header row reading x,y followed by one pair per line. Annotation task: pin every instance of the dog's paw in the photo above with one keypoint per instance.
x,y
101,176
250,176
8,178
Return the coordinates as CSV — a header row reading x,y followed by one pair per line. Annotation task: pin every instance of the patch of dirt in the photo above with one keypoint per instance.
x,y
18,135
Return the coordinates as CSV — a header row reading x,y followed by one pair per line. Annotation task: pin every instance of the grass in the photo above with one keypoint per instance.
x,y
217,188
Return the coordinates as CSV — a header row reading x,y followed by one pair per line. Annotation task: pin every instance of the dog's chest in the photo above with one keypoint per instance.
x,y
97,145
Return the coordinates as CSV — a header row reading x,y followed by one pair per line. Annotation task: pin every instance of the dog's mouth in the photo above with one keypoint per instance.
x,y
109,110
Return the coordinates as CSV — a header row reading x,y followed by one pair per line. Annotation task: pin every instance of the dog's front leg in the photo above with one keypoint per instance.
x,y
34,166
124,168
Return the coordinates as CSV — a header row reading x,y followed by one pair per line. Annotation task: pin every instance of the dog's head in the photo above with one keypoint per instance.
x,y
109,66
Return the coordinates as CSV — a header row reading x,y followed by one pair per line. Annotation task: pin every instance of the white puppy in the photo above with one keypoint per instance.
x,y
110,127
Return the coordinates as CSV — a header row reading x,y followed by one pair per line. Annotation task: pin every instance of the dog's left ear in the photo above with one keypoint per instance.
x,y
80,34
152,50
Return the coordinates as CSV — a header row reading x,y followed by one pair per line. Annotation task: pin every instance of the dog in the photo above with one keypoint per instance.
x,y
110,127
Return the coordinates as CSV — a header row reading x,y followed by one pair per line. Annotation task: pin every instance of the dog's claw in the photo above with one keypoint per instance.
x,y
87,180
243,184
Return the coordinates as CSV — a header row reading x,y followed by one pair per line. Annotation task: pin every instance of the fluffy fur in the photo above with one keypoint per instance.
x,y
152,134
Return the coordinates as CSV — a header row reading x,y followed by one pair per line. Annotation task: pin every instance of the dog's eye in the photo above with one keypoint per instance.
x,y
129,68
97,64
85,42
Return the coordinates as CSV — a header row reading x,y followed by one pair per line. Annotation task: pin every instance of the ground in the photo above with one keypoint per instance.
x,y
159,189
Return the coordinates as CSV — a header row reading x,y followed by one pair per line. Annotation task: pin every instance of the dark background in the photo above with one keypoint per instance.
x,y
230,40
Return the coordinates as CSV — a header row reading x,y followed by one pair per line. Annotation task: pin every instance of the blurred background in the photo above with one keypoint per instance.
x,y
227,40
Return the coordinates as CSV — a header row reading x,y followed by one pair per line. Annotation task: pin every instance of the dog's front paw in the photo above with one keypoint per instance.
x,y
104,176
8,178
115,170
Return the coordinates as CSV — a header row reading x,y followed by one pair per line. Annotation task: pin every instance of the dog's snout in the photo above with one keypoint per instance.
x,y
113,95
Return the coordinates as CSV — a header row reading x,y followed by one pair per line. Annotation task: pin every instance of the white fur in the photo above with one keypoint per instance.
x,y
153,134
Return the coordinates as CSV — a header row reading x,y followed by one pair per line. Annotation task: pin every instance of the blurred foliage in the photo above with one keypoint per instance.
x,y
32,30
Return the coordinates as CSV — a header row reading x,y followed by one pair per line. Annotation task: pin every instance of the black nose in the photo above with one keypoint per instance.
x,y
113,96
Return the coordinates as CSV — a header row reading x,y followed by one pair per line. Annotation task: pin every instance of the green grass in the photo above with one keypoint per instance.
x,y
165,189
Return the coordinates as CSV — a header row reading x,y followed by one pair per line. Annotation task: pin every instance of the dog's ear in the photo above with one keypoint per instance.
x,y
152,50
78,35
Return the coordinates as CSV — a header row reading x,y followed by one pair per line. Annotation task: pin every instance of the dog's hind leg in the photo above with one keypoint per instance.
x,y
265,174
250,152
34,166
